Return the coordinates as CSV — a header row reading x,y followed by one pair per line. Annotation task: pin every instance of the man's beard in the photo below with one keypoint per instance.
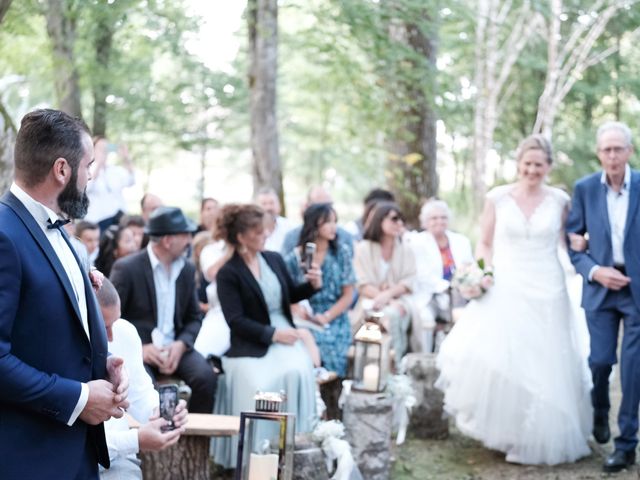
x,y
72,201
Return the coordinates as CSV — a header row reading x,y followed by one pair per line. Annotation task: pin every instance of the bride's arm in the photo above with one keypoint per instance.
x,y
484,249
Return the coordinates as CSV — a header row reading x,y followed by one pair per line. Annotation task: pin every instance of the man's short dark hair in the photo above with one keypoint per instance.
x,y
44,136
379,195
83,225
107,294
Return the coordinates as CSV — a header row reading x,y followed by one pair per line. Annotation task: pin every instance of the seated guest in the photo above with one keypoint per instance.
x,y
158,294
276,225
386,271
316,194
124,442
116,242
438,251
356,228
148,203
136,224
209,209
328,306
266,352
89,234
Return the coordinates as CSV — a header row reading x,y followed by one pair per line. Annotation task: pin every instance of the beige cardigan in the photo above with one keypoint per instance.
x,y
402,269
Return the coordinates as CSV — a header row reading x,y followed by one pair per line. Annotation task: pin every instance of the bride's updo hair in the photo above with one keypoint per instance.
x,y
535,142
237,218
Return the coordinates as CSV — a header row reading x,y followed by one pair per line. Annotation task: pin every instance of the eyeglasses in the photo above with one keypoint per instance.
x,y
609,150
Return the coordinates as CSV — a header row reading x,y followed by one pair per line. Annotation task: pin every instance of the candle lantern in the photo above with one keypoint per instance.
x,y
372,359
266,440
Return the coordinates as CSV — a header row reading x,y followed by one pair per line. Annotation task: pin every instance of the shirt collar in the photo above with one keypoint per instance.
x,y
176,265
38,211
625,182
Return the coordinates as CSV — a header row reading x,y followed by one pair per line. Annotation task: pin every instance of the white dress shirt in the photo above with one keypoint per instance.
x,y
43,215
105,193
143,398
165,283
280,230
617,206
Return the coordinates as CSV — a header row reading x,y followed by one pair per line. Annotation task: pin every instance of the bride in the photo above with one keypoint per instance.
x,y
511,370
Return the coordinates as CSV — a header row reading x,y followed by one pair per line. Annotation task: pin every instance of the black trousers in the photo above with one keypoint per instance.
x,y
199,375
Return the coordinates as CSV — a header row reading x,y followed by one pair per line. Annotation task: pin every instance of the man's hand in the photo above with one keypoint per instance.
x,y
176,350
96,277
119,378
180,415
154,356
101,405
288,336
610,278
152,438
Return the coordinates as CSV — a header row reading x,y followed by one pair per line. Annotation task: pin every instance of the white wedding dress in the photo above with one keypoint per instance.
x,y
512,370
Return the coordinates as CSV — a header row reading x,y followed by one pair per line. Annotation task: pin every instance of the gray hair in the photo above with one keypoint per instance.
x,y
430,206
107,294
618,126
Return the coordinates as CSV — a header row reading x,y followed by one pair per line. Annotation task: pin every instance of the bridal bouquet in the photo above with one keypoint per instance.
x,y
472,280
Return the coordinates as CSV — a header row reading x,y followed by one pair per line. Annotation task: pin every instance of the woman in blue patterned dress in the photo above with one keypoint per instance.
x,y
328,306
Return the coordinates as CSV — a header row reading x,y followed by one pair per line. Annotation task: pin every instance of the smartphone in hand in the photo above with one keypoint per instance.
x,y
168,403
307,257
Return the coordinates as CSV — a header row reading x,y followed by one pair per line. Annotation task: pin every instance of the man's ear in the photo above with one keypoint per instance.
x,y
61,170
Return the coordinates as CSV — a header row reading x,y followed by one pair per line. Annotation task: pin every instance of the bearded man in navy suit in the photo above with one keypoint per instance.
x,y
605,206
57,385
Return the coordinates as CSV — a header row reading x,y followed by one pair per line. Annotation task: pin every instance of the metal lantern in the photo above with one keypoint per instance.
x,y
266,441
372,358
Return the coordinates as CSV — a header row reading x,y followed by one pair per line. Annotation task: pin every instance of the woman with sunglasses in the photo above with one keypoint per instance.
x,y
386,270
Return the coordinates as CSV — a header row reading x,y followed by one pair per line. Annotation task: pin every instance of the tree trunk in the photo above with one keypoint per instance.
x,y
61,27
496,52
7,140
263,57
103,42
413,148
4,7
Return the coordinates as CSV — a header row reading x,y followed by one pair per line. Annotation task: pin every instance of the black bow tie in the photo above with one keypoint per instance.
x,y
57,224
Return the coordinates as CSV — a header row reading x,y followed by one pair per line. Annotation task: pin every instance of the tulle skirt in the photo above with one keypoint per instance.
x,y
514,375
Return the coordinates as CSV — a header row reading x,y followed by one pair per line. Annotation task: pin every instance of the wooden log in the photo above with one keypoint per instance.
x,y
367,418
427,418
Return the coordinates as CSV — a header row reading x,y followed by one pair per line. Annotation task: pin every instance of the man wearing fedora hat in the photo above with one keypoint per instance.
x,y
158,296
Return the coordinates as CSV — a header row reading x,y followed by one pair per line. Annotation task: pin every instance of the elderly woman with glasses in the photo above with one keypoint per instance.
x,y
386,270
438,251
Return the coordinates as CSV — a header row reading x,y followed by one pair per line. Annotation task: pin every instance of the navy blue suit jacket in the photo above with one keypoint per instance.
x,y
589,215
44,355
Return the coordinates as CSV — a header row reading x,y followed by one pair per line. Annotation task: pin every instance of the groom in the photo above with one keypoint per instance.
x,y
605,206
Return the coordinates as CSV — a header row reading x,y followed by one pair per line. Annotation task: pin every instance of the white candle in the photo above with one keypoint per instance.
x,y
263,467
370,376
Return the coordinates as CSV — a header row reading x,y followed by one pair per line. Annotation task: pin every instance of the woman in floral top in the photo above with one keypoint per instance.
x,y
328,306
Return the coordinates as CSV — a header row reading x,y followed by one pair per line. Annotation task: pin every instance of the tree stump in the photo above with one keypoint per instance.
x,y
187,460
367,418
427,418
308,460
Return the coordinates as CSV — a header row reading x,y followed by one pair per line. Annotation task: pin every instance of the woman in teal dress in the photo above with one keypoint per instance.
x,y
329,306
266,353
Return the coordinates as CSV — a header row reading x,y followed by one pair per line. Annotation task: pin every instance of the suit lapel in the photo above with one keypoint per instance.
x,y
250,279
634,195
602,207
38,235
147,272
